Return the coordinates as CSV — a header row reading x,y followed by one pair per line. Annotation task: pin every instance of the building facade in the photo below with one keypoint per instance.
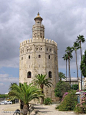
x,y
39,56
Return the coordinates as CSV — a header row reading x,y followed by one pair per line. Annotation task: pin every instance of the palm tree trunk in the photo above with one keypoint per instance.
x,y
81,60
76,63
66,70
69,71
25,109
42,99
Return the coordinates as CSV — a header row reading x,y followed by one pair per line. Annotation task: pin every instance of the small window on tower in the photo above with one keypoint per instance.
x,y
39,56
50,74
49,56
41,48
50,50
29,57
29,74
21,58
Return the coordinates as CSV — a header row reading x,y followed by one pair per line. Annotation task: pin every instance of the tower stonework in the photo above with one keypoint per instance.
x,y
39,56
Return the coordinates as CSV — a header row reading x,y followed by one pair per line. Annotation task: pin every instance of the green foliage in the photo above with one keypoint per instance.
x,y
47,101
61,88
80,39
81,107
83,64
41,81
69,102
3,95
25,93
69,51
74,86
61,76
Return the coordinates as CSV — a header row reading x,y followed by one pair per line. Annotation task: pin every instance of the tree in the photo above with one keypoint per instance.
x,y
74,86
42,81
69,53
61,76
25,93
65,57
76,47
61,88
80,40
83,64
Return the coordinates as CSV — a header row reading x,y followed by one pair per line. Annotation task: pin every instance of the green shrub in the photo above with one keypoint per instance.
x,y
47,101
69,102
81,107
61,88
75,87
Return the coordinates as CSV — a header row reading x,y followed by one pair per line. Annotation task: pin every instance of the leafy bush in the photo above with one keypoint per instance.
x,y
61,88
47,101
74,86
81,107
69,102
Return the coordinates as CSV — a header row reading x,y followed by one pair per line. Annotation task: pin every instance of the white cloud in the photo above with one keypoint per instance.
x,y
7,78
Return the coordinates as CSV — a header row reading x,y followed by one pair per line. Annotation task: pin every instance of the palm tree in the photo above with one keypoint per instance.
x,y
76,47
42,81
61,76
65,57
80,40
25,93
69,53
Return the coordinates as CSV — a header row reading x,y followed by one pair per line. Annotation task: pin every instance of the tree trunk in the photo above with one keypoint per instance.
x,y
66,70
76,63
81,60
69,71
25,109
42,99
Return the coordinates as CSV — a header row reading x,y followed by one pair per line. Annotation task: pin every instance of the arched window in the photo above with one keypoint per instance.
x,y
50,74
49,56
29,74
29,56
39,56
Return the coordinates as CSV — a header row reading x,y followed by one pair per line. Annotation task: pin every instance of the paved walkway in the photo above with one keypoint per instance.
x,y
40,109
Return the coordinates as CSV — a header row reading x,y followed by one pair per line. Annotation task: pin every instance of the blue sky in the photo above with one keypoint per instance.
x,y
63,22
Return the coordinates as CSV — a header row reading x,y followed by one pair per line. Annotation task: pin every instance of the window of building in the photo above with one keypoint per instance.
x,y
41,48
21,58
29,56
50,74
49,56
29,74
39,56
50,50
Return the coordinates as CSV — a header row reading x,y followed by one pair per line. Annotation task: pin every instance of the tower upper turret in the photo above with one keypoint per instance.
x,y
38,28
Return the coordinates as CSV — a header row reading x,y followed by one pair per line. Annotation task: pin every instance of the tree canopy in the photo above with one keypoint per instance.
x,y
25,93
83,64
61,88
61,76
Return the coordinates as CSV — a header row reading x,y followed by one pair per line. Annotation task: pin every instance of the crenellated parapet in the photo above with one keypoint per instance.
x,y
49,41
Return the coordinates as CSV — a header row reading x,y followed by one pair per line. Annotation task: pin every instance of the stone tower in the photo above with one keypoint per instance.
x,y
39,56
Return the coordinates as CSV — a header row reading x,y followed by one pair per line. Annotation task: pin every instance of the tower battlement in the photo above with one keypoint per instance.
x,y
24,43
